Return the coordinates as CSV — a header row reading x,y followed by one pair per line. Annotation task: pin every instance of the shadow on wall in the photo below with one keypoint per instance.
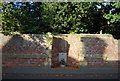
x,y
94,51
59,45
30,44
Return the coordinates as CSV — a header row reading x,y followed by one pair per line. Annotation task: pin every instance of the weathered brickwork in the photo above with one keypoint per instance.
x,y
20,50
92,50
119,49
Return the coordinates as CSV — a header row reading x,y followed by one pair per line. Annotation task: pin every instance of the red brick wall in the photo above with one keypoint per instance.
x,y
91,50
23,44
58,46
23,62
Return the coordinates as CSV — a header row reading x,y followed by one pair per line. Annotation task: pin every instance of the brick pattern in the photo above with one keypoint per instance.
x,y
24,44
100,51
94,46
82,50
23,62
20,45
59,45
88,50
73,53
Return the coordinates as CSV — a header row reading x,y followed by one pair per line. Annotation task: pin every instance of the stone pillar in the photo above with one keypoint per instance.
x,y
100,31
49,40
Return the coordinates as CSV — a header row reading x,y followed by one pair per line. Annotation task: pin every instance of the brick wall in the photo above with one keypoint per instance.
x,y
24,50
119,49
92,50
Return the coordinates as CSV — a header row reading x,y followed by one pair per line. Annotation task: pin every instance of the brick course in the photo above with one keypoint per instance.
x,y
92,50
89,49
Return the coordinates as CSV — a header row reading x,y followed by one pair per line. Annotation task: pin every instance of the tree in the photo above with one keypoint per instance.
x,y
60,17
65,17
114,20
9,22
44,17
21,17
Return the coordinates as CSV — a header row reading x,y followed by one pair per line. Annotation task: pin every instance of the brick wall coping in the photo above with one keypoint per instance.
x,y
85,35
82,34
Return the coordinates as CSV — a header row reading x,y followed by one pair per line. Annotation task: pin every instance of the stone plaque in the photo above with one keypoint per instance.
x,y
63,56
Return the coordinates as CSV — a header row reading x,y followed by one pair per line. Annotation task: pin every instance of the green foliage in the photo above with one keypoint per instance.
x,y
21,17
114,20
60,17
65,17
62,62
9,22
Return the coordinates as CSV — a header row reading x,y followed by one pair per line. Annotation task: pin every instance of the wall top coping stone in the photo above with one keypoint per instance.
x,y
85,35
65,34
70,35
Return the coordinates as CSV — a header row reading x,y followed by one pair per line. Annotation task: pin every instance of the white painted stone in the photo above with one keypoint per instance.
x,y
63,56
